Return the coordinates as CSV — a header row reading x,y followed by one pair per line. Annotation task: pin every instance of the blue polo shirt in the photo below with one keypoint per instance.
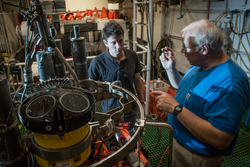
x,y
220,95
104,68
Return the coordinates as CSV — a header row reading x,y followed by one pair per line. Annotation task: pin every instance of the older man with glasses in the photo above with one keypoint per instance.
x,y
211,99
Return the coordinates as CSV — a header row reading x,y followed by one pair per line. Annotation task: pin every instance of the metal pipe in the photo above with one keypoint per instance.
x,y
134,25
208,8
143,56
144,61
170,139
142,21
140,3
42,23
33,55
149,55
68,59
197,10
163,7
138,153
14,5
143,48
67,65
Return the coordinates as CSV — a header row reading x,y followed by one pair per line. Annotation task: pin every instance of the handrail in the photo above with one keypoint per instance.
x,y
170,139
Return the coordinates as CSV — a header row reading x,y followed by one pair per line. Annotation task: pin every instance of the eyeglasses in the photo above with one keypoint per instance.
x,y
184,48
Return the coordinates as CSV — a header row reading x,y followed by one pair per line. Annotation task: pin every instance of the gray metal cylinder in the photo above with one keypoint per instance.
x,y
59,69
45,66
10,146
79,57
42,23
27,75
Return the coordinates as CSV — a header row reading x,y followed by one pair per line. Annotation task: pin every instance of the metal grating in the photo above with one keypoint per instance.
x,y
241,154
239,158
155,142
98,109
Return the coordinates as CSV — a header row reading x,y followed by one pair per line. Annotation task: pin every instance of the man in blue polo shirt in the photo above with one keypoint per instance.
x,y
117,63
211,99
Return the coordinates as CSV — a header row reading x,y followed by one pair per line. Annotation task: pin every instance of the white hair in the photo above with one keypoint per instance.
x,y
205,32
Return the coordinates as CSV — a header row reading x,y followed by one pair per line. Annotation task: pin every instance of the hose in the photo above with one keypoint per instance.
x,y
236,27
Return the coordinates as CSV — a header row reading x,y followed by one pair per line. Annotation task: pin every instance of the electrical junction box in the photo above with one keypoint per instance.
x,y
158,85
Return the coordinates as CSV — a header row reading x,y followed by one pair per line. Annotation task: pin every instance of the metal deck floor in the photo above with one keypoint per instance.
x,y
239,158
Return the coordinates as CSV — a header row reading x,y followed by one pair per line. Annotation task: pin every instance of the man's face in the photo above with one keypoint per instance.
x,y
115,44
190,50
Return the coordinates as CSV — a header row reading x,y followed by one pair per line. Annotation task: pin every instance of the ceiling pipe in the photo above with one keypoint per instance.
x,y
208,8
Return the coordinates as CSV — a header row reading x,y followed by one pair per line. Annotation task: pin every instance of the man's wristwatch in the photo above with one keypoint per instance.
x,y
177,109
143,103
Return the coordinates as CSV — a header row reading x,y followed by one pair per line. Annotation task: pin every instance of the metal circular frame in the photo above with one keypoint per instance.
x,y
40,116
78,93
130,145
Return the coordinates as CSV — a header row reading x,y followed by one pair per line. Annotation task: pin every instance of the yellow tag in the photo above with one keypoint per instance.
x,y
5,54
188,95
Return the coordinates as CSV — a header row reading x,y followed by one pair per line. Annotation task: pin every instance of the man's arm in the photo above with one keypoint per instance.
x,y
199,127
174,78
138,86
168,61
204,131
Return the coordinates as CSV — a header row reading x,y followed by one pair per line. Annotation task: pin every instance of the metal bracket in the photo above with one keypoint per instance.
x,y
6,129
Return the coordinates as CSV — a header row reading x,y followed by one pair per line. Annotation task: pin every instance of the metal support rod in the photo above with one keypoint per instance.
x,y
1,7
138,153
142,21
140,3
67,65
134,25
143,57
163,19
8,41
150,29
170,140
144,61
142,47
208,8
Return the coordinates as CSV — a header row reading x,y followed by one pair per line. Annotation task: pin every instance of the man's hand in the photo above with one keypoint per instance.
x,y
167,59
165,102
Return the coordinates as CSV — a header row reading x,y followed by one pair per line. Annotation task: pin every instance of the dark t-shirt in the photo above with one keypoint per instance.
x,y
104,68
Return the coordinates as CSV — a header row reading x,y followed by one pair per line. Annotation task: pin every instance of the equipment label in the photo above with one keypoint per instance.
x,y
64,164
